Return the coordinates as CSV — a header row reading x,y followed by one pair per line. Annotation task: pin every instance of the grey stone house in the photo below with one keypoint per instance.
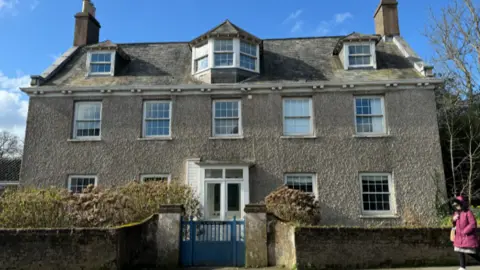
x,y
350,119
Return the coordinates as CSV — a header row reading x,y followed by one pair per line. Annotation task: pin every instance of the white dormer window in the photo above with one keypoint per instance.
x,y
360,55
248,55
101,63
223,53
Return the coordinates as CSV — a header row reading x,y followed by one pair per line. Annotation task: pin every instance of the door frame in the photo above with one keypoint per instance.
x,y
244,188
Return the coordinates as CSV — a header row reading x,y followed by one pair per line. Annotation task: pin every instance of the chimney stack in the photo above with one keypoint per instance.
x,y
87,28
386,19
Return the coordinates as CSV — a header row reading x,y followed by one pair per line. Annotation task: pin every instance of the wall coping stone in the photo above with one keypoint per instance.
x,y
171,209
255,208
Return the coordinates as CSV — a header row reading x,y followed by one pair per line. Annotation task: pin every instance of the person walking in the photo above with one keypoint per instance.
x,y
465,226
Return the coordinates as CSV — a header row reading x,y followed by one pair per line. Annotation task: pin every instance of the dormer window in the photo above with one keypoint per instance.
x,y
248,55
223,53
359,55
101,63
201,57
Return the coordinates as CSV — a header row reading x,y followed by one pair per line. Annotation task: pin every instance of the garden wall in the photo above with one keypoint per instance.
x,y
352,248
138,245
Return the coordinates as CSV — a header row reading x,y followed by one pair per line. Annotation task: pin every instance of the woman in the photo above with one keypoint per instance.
x,y
465,232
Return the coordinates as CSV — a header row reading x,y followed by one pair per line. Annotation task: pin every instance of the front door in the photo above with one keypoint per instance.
x,y
225,193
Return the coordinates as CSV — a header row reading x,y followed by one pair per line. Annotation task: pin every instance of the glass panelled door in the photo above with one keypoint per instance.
x,y
223,194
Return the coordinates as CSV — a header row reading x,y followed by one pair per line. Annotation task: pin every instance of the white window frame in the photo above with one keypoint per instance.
x,y
240,129
244,189
144,129
384,122
143,176
69,185
314,181
75,116
391,191
215,52
373,57
197,56
312,127
255,57
112,63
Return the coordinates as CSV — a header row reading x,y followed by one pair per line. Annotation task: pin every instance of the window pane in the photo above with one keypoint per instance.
x,y
247,62
77,184
158,178
225,109
233,195
375,193
223,59
234,174
157,110
223,45
297,107
201,64
300,182
100,68
226,126
214,173
248,48
297,126
157,127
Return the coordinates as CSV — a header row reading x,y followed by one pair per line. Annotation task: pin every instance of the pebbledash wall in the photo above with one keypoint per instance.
x,y
153,243
411,151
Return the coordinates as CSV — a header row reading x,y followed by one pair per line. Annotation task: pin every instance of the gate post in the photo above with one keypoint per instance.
x,y
256,249
168,235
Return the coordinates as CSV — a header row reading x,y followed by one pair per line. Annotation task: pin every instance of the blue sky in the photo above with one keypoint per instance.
x,y
33,33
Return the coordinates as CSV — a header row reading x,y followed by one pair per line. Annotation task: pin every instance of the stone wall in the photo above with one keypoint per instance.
x,y
127,247
281,243
352,248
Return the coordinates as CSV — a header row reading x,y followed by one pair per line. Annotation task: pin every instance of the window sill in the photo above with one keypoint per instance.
x,y
299,137
380,216
155,139
84,140
372,136
227,138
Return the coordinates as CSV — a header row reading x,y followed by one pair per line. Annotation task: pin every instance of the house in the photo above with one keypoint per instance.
x,y
350,119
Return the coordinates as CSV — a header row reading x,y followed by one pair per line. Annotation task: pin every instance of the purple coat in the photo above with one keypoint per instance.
x,y
465,228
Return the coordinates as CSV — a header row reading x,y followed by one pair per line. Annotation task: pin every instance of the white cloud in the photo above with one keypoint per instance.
x,y
34,5
297,27
324,28
293,16
341,17
8,6
13,104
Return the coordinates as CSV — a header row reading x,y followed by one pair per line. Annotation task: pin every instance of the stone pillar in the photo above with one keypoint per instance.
x,y
256,249
168,236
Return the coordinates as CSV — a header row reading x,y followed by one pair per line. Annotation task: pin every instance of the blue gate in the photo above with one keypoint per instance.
x,y
212,243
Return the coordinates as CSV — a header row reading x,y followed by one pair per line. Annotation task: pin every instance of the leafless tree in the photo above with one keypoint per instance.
x,y
10,145
455,38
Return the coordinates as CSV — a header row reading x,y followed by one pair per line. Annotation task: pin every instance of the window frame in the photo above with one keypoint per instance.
x,y
75,115
314,181
158,175
70,177
144,128
384,121
112,63
284,117
373,58
215,52
240,129
391,192
198,57
254,57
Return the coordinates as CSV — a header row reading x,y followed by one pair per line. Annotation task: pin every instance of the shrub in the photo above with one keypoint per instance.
x,y
94,207
293,206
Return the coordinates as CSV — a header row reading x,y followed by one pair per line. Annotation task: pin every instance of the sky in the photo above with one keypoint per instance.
x,y
33,33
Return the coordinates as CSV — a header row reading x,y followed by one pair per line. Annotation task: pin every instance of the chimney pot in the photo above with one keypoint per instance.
x,y
386,18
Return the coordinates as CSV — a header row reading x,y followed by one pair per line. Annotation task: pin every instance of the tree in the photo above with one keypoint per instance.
x,y
455,38
10,145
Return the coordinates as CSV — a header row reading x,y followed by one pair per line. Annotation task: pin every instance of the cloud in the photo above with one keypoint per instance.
x,y
297,27
326,27
34,5
341,17
13,103
293,16
8,6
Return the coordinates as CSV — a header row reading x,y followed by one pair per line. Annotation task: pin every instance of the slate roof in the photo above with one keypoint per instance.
x,y
282,60
226,29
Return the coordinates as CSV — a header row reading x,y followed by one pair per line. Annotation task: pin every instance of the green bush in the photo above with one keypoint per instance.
x,y
293,206
94,207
